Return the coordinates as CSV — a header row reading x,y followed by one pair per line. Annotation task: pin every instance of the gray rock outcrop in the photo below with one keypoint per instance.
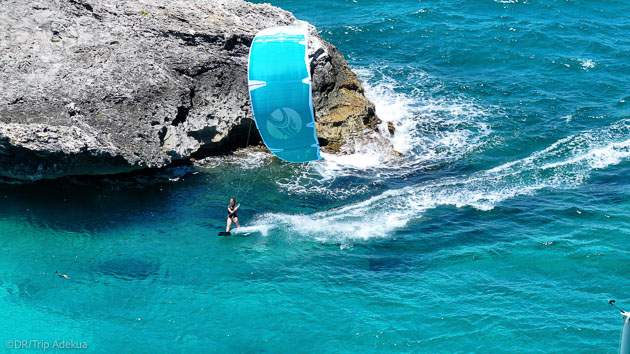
x,y
111,86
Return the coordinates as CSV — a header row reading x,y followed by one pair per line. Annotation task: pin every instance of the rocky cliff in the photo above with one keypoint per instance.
x,y
111,86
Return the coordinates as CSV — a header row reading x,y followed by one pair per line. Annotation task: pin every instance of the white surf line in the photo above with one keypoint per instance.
x,y
564,164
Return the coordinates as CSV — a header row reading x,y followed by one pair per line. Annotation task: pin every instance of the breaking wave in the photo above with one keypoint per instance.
x,y
428,132
565,164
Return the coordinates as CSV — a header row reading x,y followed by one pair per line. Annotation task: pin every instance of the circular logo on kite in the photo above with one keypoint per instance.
x,y
284,123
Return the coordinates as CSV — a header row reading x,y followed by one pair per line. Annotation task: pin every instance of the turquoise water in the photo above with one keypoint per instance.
x,y
503,228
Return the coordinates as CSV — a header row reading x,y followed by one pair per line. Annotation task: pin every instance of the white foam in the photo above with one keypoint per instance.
x,y
587,64
247,159
259,228
428,131
564,164
314,179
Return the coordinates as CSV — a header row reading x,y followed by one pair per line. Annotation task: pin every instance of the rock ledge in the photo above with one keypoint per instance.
x,y
112,86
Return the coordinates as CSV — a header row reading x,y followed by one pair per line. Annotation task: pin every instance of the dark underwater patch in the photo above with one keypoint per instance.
x,y
128,268
377,264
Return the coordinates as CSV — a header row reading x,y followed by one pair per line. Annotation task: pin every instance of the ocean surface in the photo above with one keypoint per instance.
x,y
503,228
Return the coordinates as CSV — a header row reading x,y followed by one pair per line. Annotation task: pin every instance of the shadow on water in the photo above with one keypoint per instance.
x,y
93,204
128,268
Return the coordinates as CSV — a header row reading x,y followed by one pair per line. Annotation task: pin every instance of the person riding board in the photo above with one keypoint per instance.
x,y
232,208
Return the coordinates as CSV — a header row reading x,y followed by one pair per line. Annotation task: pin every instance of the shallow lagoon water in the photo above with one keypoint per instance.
x,y
504,227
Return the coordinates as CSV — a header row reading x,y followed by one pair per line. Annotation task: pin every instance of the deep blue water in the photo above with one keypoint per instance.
x,y
504,226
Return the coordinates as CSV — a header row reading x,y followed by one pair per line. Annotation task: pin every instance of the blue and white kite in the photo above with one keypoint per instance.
x,y
280,91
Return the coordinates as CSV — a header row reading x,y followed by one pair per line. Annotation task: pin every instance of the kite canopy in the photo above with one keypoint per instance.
x,y
280,91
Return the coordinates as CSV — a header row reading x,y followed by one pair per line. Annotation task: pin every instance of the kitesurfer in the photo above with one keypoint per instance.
x,y
232,208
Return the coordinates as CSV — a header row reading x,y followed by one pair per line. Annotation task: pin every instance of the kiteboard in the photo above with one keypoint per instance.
x,y
223,233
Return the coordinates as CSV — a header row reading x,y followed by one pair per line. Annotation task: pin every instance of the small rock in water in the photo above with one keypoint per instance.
x,y
391,128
